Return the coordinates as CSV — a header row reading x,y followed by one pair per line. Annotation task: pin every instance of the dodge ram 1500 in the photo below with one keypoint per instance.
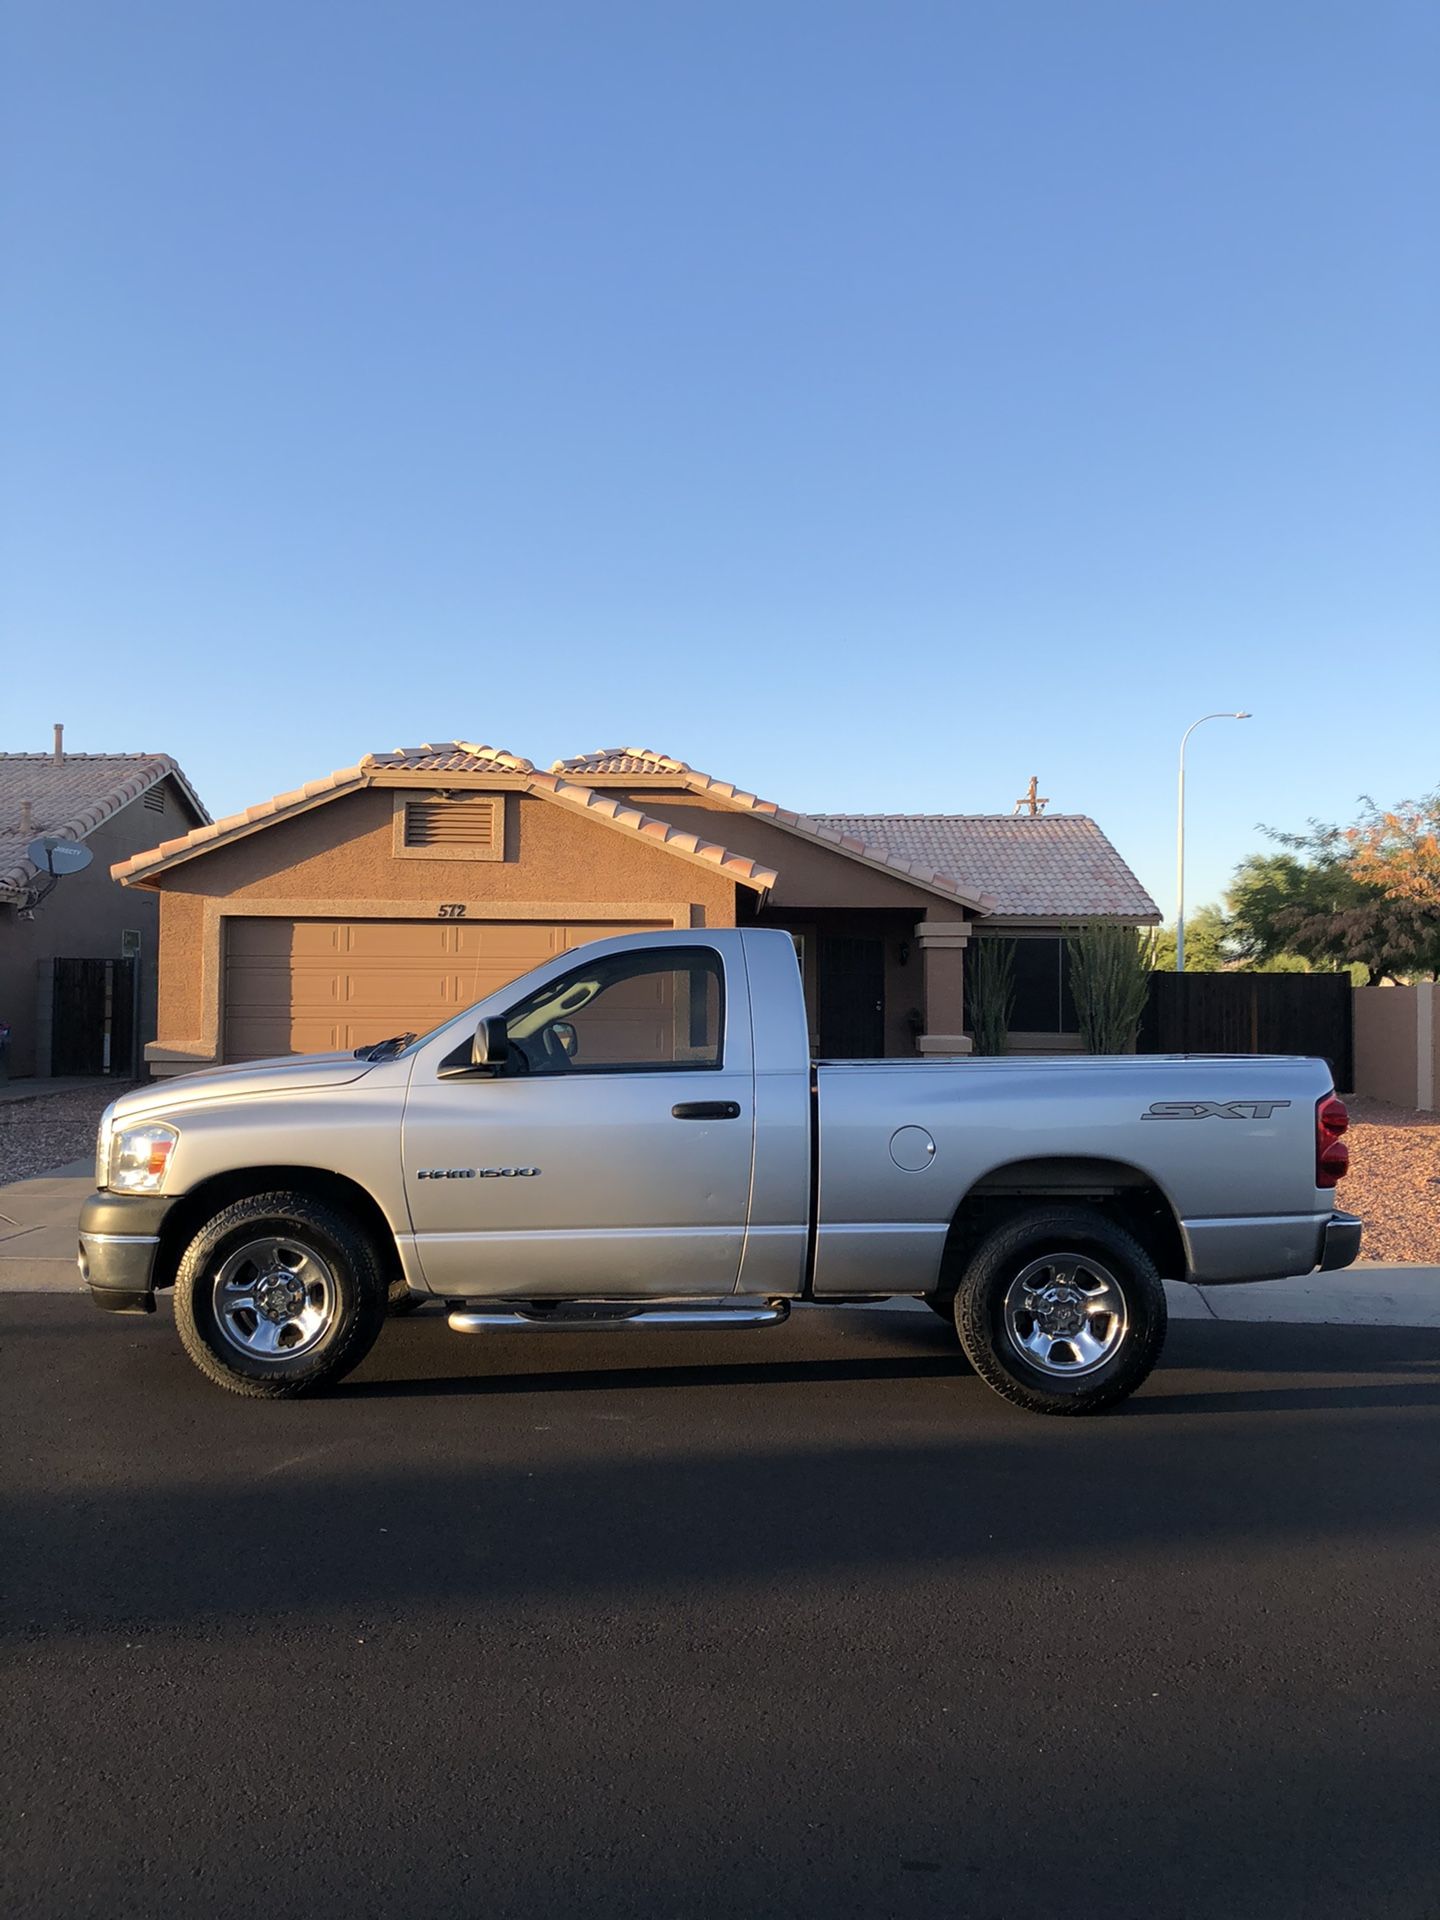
x,y
634,1135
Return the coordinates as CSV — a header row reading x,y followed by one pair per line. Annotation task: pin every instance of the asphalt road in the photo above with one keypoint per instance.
x,y
800,1622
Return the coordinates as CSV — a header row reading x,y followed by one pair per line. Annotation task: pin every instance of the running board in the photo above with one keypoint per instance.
x,y
602,1316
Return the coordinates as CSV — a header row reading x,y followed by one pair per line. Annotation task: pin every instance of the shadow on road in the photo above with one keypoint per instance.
x,y
850,1639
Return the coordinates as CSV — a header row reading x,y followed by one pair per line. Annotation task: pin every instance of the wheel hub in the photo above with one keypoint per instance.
x,y
280,1296
1066,1313
1059,1310
275,1298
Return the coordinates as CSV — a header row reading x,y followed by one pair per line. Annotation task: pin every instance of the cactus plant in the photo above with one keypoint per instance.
x,y
1110,971
990,990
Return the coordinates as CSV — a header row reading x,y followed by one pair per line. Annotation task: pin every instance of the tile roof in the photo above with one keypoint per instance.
x,y
467,759
69,799
1052,865
620,760
610,762
451,756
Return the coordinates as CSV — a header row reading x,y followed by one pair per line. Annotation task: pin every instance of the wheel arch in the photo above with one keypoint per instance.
x,y
1123,1192
191,1210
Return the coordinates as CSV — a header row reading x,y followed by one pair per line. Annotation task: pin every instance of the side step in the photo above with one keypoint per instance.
x,y
598,1316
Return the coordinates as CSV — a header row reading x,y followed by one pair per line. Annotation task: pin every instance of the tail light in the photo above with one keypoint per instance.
x,y
1332,1156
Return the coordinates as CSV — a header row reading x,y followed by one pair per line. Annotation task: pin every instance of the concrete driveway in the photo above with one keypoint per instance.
x,y
38,1224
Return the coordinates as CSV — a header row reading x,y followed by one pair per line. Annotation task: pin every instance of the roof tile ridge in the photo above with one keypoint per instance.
x,y
592,762
511,762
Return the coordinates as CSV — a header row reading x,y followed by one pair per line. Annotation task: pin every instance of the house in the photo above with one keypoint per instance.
x,y
78,961
392,894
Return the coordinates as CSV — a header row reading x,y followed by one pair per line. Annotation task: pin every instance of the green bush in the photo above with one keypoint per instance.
x,y
1110,970
990,990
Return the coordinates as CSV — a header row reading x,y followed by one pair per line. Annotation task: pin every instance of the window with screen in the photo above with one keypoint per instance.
x,y
1040,972
653,1012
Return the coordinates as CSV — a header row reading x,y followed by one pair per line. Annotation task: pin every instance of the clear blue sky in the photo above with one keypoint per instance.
x,y
873,404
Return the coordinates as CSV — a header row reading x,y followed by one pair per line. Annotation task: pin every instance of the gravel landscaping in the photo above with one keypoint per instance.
x,y
1394,1180
41,1131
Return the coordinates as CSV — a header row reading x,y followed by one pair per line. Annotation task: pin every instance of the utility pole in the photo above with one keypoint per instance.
x,y
1180,836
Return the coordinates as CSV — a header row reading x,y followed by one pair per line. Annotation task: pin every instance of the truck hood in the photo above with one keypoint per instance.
x,y
289,1073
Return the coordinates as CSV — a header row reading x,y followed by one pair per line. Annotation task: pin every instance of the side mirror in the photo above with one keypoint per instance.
x,y
490,1047
565,1037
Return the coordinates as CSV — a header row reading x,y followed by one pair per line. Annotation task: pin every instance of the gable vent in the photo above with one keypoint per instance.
x,y
471,823
155,800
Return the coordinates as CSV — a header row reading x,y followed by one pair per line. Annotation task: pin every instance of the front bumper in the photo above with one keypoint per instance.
x,y
1341,1243
119,1242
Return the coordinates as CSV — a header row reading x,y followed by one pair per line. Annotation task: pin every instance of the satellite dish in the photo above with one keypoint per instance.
x,y
58,856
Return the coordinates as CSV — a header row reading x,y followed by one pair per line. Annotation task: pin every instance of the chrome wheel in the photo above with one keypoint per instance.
x,y
1066,1314
274,1299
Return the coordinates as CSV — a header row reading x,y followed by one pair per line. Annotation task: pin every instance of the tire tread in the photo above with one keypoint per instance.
x,y
1060,1225
296,1210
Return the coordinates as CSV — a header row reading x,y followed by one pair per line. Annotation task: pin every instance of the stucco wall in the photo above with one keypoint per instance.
x,y
810,875
1397,1044
338,860
83,919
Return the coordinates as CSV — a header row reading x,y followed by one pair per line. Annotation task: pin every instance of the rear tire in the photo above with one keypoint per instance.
x,y
1061,1310
279,1295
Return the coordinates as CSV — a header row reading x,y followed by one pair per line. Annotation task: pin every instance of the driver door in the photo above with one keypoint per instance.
x,y
612,1156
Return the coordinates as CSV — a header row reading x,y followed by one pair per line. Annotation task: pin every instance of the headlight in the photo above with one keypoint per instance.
x,y
102,1146
139,1157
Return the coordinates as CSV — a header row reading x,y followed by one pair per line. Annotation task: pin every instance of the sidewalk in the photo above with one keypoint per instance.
x,y
38,1240
39,1229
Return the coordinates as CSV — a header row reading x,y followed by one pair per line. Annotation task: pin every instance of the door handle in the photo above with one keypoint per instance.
x,y
706,1110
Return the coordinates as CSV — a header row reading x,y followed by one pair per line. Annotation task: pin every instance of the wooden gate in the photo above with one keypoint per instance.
x,y
93,1015
1253,1013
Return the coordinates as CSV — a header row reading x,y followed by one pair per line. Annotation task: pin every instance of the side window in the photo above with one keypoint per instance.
x,y
649,1012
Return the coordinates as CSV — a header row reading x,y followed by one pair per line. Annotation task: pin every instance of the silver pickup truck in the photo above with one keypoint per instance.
x,y
634,1135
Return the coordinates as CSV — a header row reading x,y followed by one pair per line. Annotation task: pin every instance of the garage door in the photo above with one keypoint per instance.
x,y
312,986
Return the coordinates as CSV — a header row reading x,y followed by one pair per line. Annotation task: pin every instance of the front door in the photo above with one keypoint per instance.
x,y
851,1004
613,1155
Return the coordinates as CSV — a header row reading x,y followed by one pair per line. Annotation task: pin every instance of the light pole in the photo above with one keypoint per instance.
x,y
1180,836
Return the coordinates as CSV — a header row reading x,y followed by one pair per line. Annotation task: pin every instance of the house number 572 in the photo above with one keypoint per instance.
x,y
452,910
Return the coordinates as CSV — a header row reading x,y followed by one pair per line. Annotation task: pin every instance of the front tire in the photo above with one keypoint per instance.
x,y
1061,1311
279,1295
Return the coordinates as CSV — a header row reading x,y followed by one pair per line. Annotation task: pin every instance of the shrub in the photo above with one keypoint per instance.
x,y
1110,971
990,990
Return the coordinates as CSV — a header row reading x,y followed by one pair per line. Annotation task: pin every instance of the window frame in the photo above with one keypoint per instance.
x,y
1063,1022
656,960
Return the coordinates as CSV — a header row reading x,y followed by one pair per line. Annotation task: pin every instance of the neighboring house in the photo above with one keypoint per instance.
x,y
393,894
78,967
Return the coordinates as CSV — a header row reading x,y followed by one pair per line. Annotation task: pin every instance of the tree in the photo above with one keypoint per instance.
x,y
1310,903
1399,852
1207,943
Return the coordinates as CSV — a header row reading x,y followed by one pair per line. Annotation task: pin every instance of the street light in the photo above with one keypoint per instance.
x,y
1180,836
